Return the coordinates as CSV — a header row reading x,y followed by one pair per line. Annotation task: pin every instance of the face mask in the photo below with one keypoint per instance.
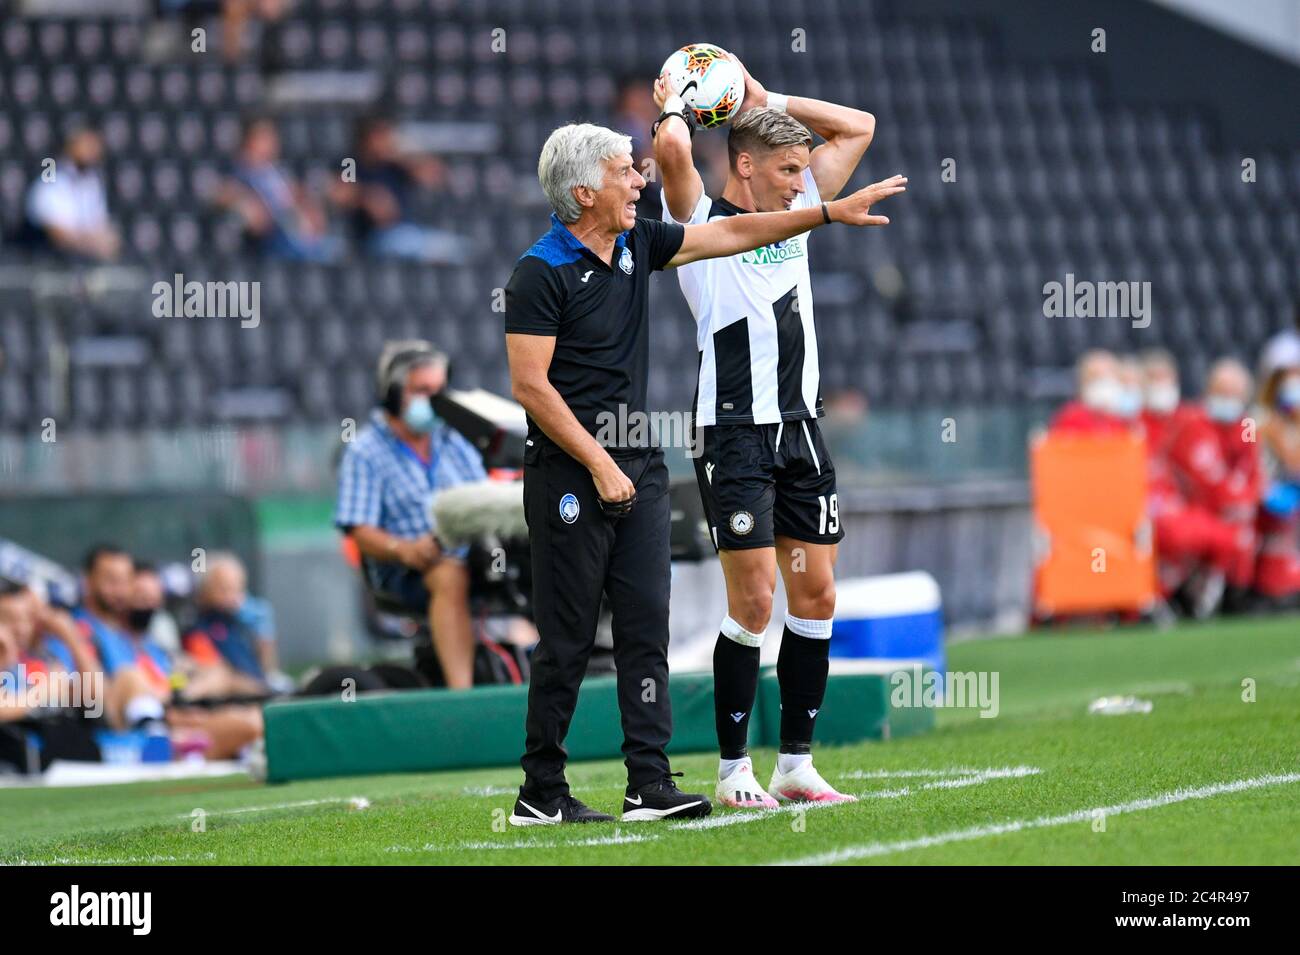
x,y
419,415
1101,394
1162,398
138,619
1288,396
1128,402
1223,409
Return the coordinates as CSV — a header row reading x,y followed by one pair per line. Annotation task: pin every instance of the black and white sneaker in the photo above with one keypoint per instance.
x,y
663,799
536,812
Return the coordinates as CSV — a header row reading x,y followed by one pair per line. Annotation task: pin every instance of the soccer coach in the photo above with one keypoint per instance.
x,y
577,338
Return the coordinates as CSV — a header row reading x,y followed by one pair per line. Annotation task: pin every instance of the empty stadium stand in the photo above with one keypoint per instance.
x,y
1058,170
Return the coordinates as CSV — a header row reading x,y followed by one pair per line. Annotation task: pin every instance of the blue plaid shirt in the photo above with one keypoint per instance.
x,y
384,484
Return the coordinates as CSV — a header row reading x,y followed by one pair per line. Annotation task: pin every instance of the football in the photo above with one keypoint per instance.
x,y
709,82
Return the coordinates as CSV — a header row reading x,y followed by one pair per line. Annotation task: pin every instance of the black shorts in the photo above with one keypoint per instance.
x,y
763,480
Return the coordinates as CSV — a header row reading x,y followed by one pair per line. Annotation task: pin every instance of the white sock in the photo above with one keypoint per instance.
x,y
728,766
789,762
143,707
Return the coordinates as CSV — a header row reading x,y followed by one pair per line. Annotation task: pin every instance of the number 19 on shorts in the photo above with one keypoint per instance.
x,y
829,521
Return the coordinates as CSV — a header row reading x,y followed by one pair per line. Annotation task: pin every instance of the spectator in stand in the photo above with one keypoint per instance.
x,y
380,201
236,15
68,212
1094,409
279,215
1277,573
1214,459
1195,549
1129,400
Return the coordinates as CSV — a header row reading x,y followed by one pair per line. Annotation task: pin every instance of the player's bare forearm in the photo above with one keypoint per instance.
x,y
530,357
847,131
833,122
754,230
681,181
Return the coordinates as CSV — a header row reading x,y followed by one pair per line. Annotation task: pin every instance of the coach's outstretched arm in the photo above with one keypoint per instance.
x,y
847,131
754,230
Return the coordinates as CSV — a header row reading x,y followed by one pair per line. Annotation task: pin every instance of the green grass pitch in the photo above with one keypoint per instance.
x,y
1205,778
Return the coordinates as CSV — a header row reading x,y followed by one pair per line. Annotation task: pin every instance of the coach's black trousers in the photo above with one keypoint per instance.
x,y
578,552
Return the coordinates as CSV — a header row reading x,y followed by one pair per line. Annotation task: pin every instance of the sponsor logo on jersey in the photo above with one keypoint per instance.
x,y
775,254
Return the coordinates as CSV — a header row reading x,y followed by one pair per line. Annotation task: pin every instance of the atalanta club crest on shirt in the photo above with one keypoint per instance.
x,y
569,508
625,260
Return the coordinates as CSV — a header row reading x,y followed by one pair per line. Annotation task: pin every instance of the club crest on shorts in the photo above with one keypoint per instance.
x,y
569,508
742,522
625,260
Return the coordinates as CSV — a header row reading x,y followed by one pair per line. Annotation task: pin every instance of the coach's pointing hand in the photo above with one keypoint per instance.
x,y
856,209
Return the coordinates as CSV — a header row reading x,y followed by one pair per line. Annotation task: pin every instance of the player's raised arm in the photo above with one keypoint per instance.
x,y
752,231
682,185
847,131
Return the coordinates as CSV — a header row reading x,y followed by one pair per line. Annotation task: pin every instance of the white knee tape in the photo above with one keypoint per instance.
x,y
735,632
813,629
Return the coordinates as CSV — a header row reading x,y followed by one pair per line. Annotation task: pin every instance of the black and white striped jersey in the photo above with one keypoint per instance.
x,y
754,326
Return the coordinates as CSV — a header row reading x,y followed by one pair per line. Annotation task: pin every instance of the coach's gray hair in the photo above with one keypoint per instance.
x,y
765,128
573,156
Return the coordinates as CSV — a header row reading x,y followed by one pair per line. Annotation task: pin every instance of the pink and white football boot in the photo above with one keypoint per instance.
x,y
804,784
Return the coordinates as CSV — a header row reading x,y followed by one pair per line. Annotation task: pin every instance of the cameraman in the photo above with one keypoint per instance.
x,y
386,480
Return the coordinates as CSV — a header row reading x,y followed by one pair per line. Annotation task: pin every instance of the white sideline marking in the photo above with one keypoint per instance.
x,y
736,818
301,804
989,772
873,849
617,839
886,793
490,790
1014,772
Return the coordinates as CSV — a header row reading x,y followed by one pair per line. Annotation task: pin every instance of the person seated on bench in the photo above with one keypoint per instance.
x,y
387,478
139,674
231,641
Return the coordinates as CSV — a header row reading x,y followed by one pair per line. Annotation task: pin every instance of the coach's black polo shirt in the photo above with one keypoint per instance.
x,y
598,315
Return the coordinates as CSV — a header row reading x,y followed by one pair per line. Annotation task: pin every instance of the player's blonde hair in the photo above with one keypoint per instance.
x,y
574,155
763,129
